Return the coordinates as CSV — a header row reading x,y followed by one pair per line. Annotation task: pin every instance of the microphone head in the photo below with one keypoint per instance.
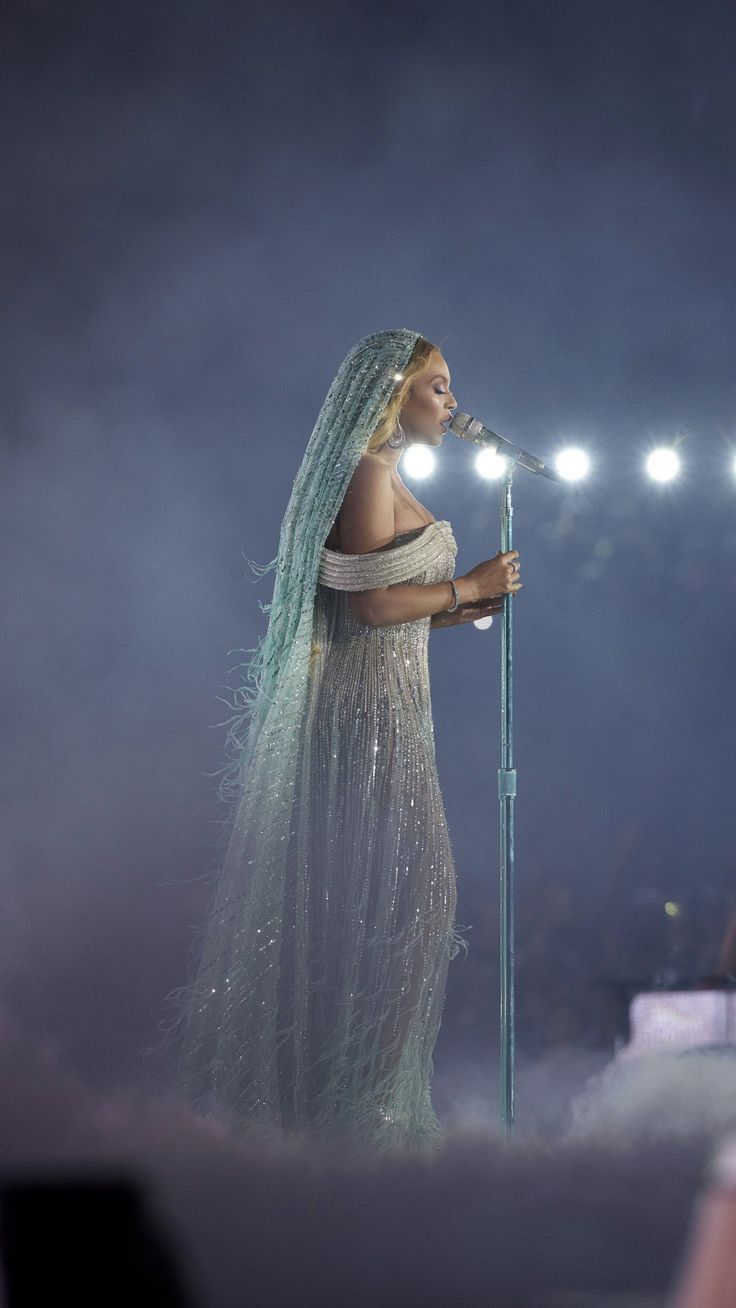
x,y
467,428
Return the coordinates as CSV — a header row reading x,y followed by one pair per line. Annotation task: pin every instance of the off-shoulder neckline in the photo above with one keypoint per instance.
x,y
438,522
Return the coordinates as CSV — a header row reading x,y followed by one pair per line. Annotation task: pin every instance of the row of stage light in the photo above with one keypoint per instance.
x,y
661,465
572,464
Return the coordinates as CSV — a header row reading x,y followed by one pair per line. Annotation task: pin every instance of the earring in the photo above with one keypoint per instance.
x,y
396,445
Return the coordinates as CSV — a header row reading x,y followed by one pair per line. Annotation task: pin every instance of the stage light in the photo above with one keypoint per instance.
x,y
733,465
572,464
483,623
663,464
672,908
418,461
490,464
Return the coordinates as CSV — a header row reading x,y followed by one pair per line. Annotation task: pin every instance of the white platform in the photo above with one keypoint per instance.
x,y
680,1019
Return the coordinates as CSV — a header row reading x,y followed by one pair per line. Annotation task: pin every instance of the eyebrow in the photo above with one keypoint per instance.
x,y
442,376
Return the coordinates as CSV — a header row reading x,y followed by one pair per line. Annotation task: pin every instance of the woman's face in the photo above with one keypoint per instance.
x,y
430,404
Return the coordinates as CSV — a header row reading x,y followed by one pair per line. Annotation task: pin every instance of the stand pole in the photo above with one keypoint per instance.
x,y
506,796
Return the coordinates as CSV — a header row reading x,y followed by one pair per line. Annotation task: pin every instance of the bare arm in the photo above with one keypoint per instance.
x,y
366,524
402,602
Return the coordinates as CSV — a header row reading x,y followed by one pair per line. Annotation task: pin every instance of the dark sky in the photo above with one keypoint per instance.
x,y
204,206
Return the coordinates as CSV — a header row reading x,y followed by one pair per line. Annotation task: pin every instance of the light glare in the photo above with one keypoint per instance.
x,y
572,464
490,464
663,464
418,461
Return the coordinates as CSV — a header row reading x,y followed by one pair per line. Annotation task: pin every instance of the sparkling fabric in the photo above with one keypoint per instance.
x,y
371,891
318,816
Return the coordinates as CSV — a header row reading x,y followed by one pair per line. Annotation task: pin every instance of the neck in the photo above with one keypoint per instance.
x,y
389,456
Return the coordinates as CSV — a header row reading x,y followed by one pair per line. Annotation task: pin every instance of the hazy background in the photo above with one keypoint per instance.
x,y
204,207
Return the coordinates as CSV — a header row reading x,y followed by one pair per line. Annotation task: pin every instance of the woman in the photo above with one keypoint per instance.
x,y
321,976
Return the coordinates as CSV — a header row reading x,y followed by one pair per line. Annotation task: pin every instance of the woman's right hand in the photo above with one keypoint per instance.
x,y
496,576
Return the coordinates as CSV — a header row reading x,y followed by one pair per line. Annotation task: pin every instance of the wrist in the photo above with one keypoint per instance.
x,y
462,586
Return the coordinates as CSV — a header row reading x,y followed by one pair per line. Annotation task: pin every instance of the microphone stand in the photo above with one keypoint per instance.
x,y
506,797
470,429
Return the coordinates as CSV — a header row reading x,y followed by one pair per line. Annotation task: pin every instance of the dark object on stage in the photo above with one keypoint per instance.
x,y
86,1241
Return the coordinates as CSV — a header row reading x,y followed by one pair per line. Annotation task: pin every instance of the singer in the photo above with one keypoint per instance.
x,y
320,972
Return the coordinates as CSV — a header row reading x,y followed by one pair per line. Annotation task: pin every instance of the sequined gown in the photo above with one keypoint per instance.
x,y
369,915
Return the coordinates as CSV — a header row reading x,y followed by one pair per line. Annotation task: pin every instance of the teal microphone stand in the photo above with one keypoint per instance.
x,y
470,429
506,797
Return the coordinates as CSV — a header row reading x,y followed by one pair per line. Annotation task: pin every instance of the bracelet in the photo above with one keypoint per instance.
x,y
455,598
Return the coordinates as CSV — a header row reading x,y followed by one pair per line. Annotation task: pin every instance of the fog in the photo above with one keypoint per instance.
x,y
203,209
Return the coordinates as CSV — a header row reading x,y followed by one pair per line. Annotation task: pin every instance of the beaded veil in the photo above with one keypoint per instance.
x,y
225,1024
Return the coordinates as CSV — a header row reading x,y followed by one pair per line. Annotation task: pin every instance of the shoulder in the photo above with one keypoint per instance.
x,y
370,486
371,471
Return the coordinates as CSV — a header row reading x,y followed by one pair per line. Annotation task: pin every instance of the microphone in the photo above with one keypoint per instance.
x,y
470,429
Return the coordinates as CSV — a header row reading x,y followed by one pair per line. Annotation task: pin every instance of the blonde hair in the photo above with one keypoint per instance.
x,y
415,368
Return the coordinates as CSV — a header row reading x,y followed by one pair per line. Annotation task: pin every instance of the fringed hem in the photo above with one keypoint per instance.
x,y
456,942
371,1131
243,702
